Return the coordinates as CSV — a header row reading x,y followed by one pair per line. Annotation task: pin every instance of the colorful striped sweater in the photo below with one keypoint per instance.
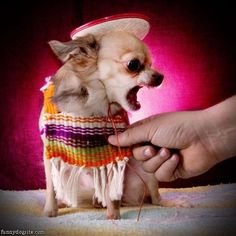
x,y
81,141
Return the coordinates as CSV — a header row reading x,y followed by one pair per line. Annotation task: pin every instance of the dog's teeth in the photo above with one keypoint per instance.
x,y
137,105
132,98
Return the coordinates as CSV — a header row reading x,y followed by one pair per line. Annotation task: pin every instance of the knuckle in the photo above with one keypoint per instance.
x,y
148,168
162,177
137,154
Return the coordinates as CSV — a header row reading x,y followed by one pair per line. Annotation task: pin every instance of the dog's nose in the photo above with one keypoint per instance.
x,y
157,79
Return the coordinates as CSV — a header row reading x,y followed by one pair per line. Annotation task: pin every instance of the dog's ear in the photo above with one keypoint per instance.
x,y
89,41
79,47
61,49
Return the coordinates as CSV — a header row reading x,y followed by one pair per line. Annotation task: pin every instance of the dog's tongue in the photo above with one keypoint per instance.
x,y
132,98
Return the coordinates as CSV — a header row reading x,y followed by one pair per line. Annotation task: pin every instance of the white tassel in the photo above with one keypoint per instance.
x,y
97,184
65,179
117,182
113,182
121,171
115,172
103,185
56,177
100,177
72,187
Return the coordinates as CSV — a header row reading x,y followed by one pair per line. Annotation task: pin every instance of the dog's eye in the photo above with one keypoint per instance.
x,y
134,65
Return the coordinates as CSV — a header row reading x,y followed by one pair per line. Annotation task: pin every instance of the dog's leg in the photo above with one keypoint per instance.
x,y
157,200
51,207
152,185
113,208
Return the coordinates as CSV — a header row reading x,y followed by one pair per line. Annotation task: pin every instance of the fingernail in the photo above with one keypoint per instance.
x,y
147,152
112,139
163,153
175,157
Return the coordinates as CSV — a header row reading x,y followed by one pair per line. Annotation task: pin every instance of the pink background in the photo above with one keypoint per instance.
x,y
192,44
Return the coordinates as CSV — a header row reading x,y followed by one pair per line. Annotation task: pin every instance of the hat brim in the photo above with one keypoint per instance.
x,y
135,23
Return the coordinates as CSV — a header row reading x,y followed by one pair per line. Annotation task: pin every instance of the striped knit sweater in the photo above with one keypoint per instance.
x,y
81,141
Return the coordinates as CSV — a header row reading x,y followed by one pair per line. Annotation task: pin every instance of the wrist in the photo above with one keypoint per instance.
x,y
205,136
220,129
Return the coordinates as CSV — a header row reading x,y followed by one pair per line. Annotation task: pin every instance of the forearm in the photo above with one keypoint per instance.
x,y
220,129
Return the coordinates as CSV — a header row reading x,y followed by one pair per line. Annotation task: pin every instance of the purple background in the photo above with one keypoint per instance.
x,y
192,44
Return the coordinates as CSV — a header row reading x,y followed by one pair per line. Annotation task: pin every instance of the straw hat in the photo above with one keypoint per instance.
x,y
135,23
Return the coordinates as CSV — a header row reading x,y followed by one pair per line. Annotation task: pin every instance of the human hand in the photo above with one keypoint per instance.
x,y
181,131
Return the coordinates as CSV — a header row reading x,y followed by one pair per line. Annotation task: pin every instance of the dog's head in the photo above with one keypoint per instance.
x,y
125,66
101,71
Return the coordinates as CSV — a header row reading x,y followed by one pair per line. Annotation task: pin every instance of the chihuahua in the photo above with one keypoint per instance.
x,y
97,72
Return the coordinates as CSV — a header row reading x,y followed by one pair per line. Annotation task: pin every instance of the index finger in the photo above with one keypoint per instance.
x,y
139,132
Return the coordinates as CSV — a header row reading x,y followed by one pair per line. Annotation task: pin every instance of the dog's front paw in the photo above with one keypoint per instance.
x,y
115,215
50,211
175,203
113,210
183,203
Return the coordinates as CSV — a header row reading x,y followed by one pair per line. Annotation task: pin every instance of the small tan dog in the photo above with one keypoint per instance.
x,y
98,72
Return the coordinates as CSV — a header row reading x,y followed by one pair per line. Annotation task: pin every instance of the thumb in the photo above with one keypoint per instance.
x,y
133,135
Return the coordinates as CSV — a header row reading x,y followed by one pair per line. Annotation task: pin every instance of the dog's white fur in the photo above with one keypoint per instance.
x,y
95,74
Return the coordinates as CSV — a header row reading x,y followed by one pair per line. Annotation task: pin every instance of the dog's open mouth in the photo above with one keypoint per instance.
x,y
132,98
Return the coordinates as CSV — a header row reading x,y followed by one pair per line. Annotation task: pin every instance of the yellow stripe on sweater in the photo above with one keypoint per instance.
x,y
49,107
